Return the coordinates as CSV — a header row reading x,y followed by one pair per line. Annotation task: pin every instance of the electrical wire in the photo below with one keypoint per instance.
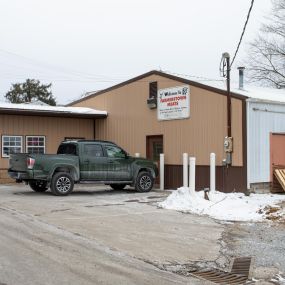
x,y
243,31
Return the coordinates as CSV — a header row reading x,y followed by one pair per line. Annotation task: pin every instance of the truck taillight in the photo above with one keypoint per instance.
x,y
30,162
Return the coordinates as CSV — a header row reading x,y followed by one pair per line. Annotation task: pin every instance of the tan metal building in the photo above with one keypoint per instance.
x,y
40,129
135,126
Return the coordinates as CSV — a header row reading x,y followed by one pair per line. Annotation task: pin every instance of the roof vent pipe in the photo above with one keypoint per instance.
x,y
241,76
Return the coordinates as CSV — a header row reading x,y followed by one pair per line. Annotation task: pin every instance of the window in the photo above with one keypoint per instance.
x,y
93,150
35,144
11,144
153,89
67,148
113,151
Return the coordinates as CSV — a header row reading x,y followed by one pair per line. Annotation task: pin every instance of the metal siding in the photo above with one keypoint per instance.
x,y
259,126
129,121
54,129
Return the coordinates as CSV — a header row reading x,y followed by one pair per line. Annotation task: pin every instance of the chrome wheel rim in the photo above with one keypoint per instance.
x,y
63,184
145,182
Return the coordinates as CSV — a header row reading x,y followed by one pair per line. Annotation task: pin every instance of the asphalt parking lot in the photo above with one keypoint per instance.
x,y
101,236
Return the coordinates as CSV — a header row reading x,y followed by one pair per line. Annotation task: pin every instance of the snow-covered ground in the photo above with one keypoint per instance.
x,y
226,206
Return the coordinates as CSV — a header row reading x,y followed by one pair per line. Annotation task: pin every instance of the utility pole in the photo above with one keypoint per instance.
x,y
226,57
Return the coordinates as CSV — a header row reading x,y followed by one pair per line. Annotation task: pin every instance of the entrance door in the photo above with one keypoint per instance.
x,y
277,151
154,147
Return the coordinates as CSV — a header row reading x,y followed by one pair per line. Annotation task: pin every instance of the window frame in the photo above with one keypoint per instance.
x,y
2,145
32,136
153,88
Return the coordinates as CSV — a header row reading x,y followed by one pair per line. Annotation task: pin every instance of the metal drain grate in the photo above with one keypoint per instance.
x,y
241,265
238,275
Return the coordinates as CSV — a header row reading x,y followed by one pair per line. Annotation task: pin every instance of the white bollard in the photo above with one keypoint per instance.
x,y
212,171
185,169
161,170
192,173
137,154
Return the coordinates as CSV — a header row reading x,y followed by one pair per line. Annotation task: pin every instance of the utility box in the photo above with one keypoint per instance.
x,y
228,144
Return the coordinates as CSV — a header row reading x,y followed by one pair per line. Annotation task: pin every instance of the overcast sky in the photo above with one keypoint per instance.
x,y
87,45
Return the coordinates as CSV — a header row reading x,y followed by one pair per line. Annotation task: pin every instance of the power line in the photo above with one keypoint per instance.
x,y
200,78
63,70
243,31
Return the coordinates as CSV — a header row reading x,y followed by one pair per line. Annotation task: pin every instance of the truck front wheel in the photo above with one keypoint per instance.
x,y
144,182
61,184
38,185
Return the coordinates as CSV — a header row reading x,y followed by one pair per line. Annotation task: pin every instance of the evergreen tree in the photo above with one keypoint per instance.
x,y
29,90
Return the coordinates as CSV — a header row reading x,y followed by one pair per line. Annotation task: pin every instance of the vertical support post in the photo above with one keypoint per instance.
x,y
137,154
185,169
161,170
212,172
192,174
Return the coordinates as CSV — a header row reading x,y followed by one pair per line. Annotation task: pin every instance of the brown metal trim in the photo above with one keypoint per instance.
x,y
276,134
235,174
5,111
94,129
163,74
244,142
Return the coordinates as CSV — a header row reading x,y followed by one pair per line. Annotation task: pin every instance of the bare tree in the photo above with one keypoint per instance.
x,y
266,59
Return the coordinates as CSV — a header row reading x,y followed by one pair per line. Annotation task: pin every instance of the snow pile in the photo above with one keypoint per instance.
x,y
222,206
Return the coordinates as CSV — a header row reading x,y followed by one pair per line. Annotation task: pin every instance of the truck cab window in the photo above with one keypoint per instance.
x,y
115,152
93,150
67,149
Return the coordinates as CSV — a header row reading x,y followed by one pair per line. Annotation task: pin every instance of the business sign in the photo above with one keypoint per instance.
x,y
173,103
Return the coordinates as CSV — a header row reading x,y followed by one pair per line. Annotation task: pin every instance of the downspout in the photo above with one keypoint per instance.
x,y
94,129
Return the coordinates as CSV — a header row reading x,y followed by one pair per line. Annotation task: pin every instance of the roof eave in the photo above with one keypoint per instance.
x,y
7,111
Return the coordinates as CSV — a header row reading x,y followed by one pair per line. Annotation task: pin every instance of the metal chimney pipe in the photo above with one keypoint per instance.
x,y
241,76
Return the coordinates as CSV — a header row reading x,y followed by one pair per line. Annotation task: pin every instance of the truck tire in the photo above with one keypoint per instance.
x,y
38,185
144,182
118,186
61,184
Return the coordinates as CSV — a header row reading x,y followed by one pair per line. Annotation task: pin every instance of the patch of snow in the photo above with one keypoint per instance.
x,y
221,206
279,278
48,108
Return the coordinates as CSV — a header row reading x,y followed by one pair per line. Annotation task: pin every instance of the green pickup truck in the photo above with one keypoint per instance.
x,y
82,161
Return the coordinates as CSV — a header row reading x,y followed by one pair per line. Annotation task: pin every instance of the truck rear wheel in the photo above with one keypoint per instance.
x,y
38,185
144,182
61,184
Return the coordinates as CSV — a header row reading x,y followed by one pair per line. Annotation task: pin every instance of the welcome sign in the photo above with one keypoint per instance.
x,y
173,103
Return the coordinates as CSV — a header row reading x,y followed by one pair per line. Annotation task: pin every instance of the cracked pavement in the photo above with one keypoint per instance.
x,y
102,236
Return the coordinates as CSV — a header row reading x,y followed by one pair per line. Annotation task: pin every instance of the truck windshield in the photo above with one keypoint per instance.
x,y
67,149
